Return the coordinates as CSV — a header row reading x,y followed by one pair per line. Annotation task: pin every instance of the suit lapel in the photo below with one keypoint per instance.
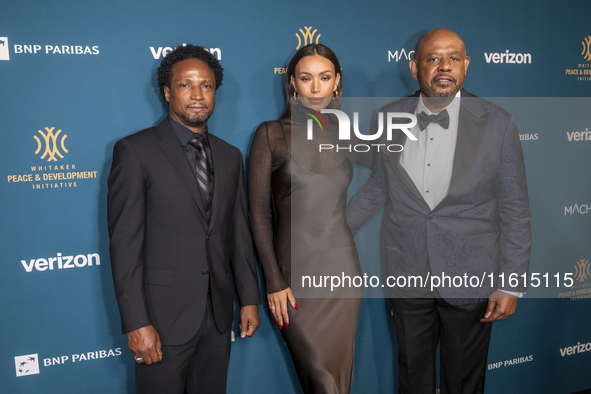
x,y
472,126
219,180
173,151
400,138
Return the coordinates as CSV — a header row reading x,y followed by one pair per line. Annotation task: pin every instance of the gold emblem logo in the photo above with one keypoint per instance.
x,y
308,37
582,70
51,144
586,48
582,270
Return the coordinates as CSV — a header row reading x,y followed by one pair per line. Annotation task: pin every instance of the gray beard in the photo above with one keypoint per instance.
x,y
195,121
440,97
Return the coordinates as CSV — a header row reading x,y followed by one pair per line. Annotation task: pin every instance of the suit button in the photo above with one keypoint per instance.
x,y
208,236
429,217
208,208
205,272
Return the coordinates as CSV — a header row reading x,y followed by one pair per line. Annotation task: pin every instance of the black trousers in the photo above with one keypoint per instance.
x,y
200,366
420,324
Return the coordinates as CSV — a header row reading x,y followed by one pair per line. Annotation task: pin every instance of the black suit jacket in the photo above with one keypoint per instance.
x,y
164,252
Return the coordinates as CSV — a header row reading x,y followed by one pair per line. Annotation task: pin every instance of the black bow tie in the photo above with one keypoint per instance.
x,y
441,118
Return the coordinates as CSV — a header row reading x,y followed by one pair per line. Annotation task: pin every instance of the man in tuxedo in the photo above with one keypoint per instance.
x,y
180,237
458,208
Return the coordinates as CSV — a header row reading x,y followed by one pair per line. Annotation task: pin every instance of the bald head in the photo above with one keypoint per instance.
x,y
440,65
438,35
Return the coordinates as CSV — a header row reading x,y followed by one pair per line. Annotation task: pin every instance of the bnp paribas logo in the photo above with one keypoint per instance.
x,y
307,37
582,270
26,365
4,53
52,142
586,48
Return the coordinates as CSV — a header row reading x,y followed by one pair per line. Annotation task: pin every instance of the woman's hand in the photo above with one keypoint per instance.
x,y
278,305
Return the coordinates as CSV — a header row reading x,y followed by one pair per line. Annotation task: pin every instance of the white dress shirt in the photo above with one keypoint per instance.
x,y
429,160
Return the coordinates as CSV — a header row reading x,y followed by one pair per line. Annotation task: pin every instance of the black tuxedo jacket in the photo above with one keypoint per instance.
x,y
164,252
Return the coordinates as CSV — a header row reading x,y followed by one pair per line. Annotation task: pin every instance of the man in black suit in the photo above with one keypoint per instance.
x,y
180,237
458,208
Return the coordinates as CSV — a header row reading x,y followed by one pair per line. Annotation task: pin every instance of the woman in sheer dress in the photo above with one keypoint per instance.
x,y
304,191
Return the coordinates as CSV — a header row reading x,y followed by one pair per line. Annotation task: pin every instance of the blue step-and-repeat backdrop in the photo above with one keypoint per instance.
x,y
75,76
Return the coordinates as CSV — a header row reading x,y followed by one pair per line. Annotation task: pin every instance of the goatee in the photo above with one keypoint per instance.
x,y
195,121
439,96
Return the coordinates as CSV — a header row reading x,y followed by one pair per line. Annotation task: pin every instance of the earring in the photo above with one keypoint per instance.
x,y
295,97
335,96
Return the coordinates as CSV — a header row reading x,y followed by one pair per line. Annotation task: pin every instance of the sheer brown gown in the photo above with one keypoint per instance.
x,y
305,193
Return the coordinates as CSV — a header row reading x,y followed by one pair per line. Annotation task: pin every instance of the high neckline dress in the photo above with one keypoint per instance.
x,y
298,198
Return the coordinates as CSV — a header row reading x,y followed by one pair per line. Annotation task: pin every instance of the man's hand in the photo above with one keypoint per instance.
x,y
500,306
145,343
249,320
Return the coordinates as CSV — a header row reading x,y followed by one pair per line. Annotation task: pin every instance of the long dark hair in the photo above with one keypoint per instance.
x,y
311,50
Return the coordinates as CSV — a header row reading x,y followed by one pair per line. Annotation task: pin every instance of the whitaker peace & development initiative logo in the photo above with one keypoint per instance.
x,y
305,36
51,173
308,37
582,270
51,144
582,287
582,72
26,365
586,48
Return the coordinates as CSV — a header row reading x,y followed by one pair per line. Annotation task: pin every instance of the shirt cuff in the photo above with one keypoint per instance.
x,y
514,293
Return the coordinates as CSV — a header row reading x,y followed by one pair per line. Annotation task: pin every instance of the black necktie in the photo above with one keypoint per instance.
x,y
202,169
441,118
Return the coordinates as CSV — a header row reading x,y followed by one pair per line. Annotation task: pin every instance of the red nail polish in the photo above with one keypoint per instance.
x,y
295,306
286,325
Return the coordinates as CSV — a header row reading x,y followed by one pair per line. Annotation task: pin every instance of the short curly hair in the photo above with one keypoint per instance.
x,y
185,52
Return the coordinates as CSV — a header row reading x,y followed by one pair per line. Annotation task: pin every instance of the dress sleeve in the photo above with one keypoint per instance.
x,y
260,167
